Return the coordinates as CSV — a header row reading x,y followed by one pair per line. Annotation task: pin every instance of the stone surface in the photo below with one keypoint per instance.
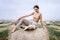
x,y
38,34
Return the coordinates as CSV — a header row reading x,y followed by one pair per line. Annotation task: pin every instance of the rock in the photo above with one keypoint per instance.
x,y
38,34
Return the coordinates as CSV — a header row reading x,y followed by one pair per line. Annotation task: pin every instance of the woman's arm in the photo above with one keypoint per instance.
x,y
41,21
23,17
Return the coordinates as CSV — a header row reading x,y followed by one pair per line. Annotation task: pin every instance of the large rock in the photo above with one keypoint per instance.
x,y
38,34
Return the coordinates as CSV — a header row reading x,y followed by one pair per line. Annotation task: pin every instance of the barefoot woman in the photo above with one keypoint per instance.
x,y
36,17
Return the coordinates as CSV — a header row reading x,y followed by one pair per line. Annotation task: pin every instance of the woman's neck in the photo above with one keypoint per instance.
x,y
37,12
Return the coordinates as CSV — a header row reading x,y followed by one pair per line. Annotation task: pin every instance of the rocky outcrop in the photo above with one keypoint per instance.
x,y
38,34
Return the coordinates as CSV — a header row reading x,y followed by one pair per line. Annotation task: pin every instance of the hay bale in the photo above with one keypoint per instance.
x,y
38,34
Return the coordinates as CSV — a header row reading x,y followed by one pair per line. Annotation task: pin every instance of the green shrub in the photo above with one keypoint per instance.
x,y
4,35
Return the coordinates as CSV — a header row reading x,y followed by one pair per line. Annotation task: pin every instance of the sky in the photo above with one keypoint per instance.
x,y
14,9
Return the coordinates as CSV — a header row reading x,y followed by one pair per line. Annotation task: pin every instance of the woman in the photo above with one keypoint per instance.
x,y
36,17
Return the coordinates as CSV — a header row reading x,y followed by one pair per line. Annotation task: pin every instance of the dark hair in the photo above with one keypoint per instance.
x,y
36,6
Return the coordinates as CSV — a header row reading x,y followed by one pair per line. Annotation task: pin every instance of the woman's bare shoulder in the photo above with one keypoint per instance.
x,y
33,13
40,13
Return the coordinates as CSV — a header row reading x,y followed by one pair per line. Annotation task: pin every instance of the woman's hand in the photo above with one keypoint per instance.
x,y
43,27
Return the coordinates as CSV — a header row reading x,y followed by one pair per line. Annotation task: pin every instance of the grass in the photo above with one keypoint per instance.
x,y
54,34
4,35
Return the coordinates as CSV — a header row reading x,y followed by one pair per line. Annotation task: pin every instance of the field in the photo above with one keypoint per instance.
x,y
53,29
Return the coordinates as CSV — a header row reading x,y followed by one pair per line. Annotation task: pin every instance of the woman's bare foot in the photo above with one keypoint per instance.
x,y
13,31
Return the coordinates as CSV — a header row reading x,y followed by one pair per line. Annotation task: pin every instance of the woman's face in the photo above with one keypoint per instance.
x,y
36,9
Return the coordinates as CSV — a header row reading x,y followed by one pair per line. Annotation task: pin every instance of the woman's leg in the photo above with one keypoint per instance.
x,y
32,26
22,21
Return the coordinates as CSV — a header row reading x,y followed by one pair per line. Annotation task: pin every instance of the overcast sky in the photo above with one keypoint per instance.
x,y
13,9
